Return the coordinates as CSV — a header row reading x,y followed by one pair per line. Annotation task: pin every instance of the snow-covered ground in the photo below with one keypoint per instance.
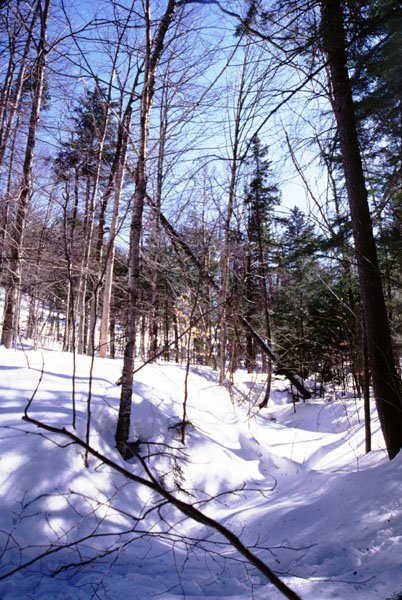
x,y
295,487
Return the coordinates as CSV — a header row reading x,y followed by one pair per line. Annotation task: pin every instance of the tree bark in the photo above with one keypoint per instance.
x,y
156,234
14,281
111,250
154,49
386,383
117,181
11,90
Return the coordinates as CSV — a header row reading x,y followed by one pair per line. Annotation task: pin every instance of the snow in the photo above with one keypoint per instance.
x,y
296,487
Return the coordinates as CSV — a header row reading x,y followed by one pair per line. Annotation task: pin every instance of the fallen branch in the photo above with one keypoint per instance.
x,y
185,508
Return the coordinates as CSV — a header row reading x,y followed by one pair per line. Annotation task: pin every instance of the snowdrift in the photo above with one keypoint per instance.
x,y
295,487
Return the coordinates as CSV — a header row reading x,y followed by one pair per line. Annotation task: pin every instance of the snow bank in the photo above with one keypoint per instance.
x,y
295,486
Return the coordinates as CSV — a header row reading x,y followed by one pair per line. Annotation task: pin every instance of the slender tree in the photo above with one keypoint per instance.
x,y
153,51
11,309
261,197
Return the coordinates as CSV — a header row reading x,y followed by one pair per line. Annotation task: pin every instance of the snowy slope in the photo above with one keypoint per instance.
x,y
294,486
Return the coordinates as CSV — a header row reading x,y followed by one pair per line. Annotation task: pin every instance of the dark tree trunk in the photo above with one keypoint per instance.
x,y
386,383
366,396
11,89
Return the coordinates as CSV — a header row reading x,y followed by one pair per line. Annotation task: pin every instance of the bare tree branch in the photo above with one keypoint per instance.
x,y
185,508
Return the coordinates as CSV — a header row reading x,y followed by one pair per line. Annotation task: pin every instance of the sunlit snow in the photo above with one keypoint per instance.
x,y
293,483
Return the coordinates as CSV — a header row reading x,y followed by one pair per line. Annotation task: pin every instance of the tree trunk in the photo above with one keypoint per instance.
x,y
81,298
6,209
156,235
154,49
110,257
366,396
14,280
11,90
386,383
86,342
227,313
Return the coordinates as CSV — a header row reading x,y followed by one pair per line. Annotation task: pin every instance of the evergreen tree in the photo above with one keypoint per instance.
x,y
313,321
297,282
375,40
83,166
260,200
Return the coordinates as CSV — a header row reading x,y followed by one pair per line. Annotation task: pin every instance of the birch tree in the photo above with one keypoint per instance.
x,y
10,322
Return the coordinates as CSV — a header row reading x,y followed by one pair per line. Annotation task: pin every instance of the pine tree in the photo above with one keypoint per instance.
x,y
261,197
83,165
295,289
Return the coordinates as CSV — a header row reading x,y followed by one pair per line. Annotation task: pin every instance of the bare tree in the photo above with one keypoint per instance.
x,y
25,187
153,51
16,24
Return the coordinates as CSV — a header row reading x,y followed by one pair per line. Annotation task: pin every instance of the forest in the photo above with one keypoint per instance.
x,y
214,185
